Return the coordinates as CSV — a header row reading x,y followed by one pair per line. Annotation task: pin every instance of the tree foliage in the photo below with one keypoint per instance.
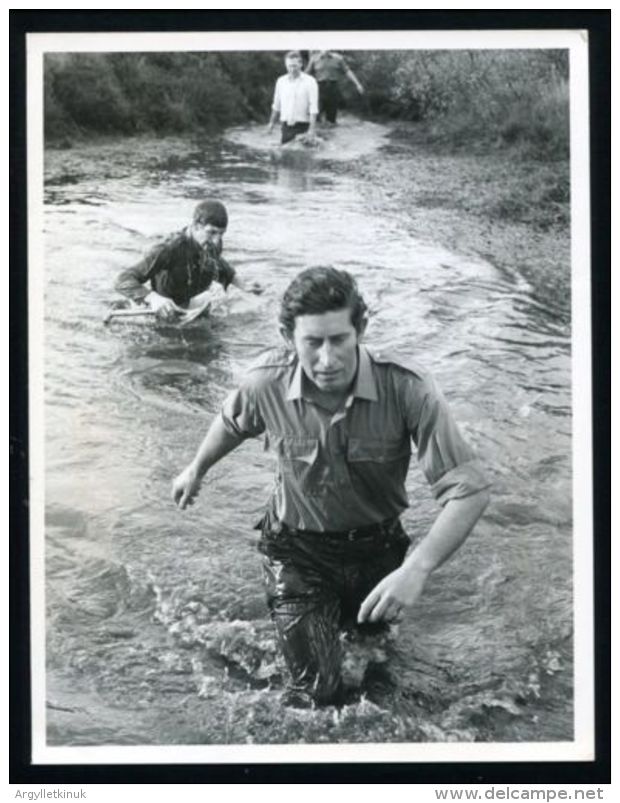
x,y
506,97
155,92
509,96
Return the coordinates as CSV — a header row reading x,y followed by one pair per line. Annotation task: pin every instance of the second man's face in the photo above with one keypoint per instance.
x,y
204,233
293,65
326,345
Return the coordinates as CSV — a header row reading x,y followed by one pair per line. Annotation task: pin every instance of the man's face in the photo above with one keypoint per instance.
x,y
326,345
204,233
293,65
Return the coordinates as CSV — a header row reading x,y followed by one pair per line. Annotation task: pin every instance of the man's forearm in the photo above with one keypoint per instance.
x,y
312,127
217,443
403,587
274,117
354,80
130,283
238,282
449,531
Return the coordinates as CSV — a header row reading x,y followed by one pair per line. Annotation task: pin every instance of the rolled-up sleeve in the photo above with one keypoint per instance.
x,y
240,413
448,462
130,282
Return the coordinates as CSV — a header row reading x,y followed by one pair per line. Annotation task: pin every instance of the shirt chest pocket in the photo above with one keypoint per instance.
x,y
377,450
297,456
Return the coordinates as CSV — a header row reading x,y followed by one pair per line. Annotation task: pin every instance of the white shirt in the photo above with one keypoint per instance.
x,y
296,98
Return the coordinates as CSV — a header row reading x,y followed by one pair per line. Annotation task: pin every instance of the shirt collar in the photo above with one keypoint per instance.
x,y
364,386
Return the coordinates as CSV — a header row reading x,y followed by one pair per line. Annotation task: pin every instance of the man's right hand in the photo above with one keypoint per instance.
x,y
185,487
164,307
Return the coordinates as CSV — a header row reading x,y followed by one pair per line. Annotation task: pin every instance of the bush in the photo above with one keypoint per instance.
x,y
488,96
513,98
161,92
87,90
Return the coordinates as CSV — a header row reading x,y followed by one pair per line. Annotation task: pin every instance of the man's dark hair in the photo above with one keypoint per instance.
x,y
318,290
211,211
293,54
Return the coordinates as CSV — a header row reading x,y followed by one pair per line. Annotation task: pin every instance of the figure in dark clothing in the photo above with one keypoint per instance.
x,y
178,271
341,420
328,67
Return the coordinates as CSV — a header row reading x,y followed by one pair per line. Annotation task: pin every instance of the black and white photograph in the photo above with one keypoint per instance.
x,y
310,423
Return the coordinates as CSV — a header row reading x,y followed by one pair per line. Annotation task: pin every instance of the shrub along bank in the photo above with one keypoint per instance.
x,y
472,98
462,99
90,94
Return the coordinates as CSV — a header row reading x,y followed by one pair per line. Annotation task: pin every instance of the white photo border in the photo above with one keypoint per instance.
x,y
581,748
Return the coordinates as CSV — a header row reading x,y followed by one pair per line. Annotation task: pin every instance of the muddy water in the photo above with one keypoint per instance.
x,y
157,629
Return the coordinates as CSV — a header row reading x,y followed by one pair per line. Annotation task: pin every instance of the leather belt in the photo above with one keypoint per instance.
x,y
382,528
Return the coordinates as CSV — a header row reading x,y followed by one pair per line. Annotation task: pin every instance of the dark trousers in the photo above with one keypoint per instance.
x,y
315,584
329,100
289,132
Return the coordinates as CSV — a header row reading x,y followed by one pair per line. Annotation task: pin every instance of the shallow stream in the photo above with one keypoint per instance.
x,y
157,628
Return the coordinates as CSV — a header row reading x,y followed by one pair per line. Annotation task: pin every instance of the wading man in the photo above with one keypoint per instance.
x,y
328,68
295,101
341,420
178,272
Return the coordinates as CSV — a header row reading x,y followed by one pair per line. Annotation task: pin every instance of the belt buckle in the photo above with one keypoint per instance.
x,y
351,534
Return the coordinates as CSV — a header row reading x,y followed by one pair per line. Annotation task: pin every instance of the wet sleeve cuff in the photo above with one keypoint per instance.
x,y
226,273
232,426
463,480
129,284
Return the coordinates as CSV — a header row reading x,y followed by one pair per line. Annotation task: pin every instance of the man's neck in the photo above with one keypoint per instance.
x,y
329,400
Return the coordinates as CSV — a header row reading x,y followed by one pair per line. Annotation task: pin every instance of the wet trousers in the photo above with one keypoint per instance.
x,y
289,132
315,584
329,100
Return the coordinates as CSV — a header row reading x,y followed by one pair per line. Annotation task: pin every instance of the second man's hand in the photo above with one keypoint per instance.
x,y
247,287
164,307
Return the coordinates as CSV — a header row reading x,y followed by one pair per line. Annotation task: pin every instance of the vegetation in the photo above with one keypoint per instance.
x,y
502,98
163,93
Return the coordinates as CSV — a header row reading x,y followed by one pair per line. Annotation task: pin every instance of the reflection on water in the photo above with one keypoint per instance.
x,y
157,629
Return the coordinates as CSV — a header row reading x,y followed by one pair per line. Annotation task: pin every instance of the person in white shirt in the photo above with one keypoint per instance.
x,y
295,100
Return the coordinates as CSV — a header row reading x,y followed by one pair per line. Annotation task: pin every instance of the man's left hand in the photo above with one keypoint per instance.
x,y
398,590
